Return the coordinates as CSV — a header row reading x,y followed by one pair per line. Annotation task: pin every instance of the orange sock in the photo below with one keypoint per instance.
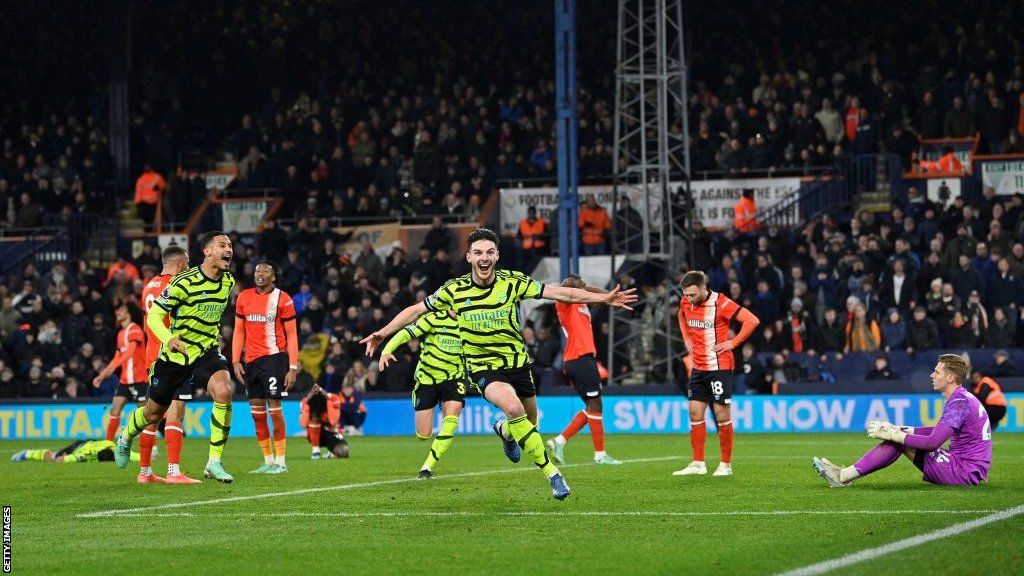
x,y
698,433
174,437
259,418
313,431
280,436
725,435
112,426
596,422
146,442
577,424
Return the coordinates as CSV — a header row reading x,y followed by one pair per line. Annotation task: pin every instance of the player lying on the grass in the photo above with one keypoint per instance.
x,y
175,261
440,379
704,320
265,330
580,367
320,413
486,302
964,423
77,451
196,300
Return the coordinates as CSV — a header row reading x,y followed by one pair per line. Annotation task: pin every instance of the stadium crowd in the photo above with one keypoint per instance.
x,y
431,125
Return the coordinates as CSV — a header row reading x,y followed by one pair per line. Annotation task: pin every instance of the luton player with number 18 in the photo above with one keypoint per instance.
x,y
704,319
265,329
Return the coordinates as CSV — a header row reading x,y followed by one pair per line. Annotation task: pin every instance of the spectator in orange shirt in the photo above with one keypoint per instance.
x,y
121,265
744,217
148,189
594,224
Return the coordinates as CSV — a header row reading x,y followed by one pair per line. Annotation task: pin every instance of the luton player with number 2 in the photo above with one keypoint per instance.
x,y
265,330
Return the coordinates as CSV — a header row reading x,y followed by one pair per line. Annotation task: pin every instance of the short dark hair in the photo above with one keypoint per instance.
x,y
173,251
482,234
273,268
206,239
693,278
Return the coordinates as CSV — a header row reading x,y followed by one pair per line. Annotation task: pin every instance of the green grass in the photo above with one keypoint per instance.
x,y
461,524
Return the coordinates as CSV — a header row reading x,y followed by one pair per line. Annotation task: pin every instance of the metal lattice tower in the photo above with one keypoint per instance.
x,y
652,167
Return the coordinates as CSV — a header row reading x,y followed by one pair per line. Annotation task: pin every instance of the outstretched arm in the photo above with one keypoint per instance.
x,y
617,298
387,355
404,318
934,438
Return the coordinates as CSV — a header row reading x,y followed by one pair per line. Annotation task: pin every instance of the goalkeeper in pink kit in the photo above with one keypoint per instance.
x,y
964,423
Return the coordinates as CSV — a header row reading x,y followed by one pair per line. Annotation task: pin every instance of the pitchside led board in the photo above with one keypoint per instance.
x,y
623,415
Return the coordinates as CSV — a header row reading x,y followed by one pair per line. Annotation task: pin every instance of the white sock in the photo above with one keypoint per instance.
x,y
172,469
560,440
598,454
213,459
279,460
698,462
268,459
848,474
146,471
316,449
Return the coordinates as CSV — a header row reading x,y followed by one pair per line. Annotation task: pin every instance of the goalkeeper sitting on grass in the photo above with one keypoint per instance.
x,y
964,423
77,451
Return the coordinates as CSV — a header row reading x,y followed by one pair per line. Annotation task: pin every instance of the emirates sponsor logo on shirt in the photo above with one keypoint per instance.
x,y
260,318
703,324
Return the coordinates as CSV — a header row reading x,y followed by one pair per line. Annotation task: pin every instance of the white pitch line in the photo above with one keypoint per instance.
x,y
665,513
172,505
872,553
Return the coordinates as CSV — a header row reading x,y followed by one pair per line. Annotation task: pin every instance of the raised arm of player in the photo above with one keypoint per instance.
x,y
404,318
749,324
237,345
616,298
116,362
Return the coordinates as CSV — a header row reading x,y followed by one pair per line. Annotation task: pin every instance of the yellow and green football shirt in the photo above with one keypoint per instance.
x,y
195,303
488,316
441,352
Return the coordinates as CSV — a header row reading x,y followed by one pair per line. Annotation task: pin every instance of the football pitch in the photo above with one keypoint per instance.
x,y
484,515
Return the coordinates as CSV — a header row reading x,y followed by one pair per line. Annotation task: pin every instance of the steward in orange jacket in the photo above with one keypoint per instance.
x,y
990,393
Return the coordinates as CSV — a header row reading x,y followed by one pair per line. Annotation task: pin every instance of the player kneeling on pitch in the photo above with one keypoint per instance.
x,y
320,413
964,423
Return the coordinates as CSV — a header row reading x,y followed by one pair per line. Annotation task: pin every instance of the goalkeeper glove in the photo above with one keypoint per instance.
x,y
886,431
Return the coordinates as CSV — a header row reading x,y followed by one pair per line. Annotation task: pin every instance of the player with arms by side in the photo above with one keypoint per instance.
x,y
964,422
175,261
440,379
196,300
486,302
580,366
704,320
265,329
320,415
